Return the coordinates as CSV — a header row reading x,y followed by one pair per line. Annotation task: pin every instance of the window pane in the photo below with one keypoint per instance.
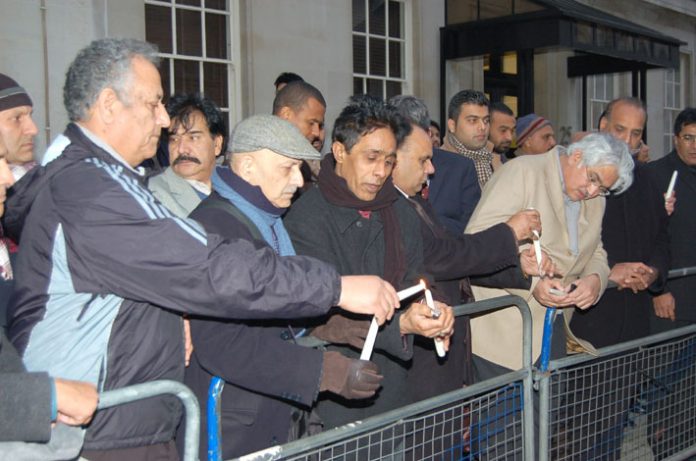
x,y
393,89
186,78
359,15
359,58
216,36
188,32
158,27
164,73
189,2
377,17
216,4
509,64
395,57
395,19
215,83
374,88
358,85
378,56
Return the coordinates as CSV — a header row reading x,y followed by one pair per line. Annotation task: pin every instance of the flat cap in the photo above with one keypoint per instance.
x,y
270,132
11,94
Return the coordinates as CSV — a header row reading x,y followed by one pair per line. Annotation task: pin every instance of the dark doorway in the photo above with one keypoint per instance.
x,y
509,78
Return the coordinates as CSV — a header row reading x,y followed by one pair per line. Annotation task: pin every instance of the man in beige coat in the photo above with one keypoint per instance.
x,y
566,187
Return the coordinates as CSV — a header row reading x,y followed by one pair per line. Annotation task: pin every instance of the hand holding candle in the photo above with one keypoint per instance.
x,y
374,327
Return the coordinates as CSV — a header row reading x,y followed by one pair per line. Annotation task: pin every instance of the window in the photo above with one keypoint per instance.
x,y
675,100
599,92
380,47
195,42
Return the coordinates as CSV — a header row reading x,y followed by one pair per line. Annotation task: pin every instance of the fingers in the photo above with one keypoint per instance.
x,y
368,294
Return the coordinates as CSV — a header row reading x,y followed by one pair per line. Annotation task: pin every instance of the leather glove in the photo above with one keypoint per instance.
x,y
349,378
340,329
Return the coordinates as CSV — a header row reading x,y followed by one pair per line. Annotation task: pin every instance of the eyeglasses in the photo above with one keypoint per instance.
x,y
593,179
688,138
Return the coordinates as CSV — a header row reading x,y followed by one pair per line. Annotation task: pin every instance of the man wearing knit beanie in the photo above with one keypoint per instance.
x,y
534,135
16,125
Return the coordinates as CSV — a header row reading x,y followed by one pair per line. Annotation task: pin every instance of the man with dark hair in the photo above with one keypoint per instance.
x,y
462,165
677,306
97,300
195,138
263,405
285,78
502,131
304,106
17,126
356,220
435,133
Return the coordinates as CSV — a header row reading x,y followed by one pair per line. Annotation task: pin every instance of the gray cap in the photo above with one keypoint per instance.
x,y
270,132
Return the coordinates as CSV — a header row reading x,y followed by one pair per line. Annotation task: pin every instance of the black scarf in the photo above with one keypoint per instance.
x,y
335,190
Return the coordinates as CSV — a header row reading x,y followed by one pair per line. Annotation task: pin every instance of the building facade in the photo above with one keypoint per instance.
x,y
233,50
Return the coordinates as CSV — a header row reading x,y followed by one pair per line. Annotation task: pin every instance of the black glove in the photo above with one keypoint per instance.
x,y
349,378
340,329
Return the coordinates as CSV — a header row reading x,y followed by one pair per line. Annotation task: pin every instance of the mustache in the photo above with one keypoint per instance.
x,y
185,158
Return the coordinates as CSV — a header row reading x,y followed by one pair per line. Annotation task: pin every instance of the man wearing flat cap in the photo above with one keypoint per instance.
x,y
270,380
534,135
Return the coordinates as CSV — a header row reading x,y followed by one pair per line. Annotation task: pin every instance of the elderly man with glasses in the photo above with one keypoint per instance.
x,y
567,187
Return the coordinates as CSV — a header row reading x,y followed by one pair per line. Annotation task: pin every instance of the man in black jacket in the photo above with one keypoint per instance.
x,y
271,382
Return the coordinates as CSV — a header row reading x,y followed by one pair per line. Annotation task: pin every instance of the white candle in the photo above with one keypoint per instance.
x,y
374,327
410,291
672,183
537,249
439,345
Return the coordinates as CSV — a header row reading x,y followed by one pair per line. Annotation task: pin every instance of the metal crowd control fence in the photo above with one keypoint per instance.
x,y
636,401
143,391
488,420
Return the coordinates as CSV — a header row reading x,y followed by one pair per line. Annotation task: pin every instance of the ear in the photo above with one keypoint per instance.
x,y
217,142
603,124
451,125
106,106
245,167
575,158
285,113
339,151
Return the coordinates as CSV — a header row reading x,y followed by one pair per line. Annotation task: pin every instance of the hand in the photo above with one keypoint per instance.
x,y
586,292
349,378
188,343
634,276
670,202
546,299
339,329
523,223
76,401
529,265
418,319
368,294
665,306
643,154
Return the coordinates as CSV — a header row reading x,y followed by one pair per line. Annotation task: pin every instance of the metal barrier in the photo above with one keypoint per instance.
x,y
488,420
635,401
136,392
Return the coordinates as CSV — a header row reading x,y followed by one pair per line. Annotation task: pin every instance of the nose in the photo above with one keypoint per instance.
x,y
380,170
429,167
296,178
162,116
31,128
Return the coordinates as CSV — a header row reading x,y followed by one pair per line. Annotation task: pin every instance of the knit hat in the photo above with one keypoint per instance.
x,y
527,125
11,94
270,132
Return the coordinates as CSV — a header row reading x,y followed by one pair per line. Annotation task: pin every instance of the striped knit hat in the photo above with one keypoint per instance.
x,y
11,94
527,125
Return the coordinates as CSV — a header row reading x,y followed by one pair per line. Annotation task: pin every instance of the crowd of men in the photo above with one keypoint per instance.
x,y
260,255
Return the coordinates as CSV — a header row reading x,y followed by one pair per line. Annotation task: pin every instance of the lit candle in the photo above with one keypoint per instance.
x,y
408,292
537,249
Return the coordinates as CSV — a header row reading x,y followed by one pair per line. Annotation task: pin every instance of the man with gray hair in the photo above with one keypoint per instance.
x,y
567,187
96,301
